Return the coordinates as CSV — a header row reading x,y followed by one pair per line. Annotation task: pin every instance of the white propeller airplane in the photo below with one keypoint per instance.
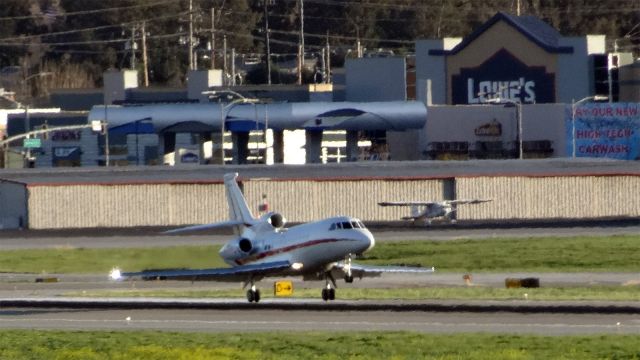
x,y
427,210
319,250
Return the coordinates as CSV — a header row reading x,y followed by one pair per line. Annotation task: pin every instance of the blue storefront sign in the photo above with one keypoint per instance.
x,y
505,76
605,130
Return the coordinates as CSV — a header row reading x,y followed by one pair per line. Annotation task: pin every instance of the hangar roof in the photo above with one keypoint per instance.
x,y
345,171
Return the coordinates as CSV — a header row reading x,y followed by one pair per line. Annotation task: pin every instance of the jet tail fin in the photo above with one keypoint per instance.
x,y
238,208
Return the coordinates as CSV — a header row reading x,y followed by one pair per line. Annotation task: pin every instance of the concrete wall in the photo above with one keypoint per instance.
x,y
629,81
432,68
376,79
116,84
13,205
403,144
574,78
514,197
458,123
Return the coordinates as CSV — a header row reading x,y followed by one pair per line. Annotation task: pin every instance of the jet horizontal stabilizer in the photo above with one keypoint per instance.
x,y
216,225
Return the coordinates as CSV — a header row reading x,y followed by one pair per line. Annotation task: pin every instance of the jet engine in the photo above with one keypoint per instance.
x,y
245,245
276,220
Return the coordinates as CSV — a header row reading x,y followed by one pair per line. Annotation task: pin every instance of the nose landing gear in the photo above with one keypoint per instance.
x,y
348,276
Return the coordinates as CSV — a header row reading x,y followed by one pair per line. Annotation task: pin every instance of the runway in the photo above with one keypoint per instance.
x,y
278,320
496,318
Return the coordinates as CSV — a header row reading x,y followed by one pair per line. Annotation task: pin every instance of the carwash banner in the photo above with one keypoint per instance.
x,y
606,130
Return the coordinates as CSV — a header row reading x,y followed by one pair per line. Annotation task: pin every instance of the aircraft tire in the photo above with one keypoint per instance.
x,y
256,296
348,279
250,296
325,294
332,294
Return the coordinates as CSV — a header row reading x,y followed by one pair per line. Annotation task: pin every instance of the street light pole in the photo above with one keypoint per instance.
x,y
520,150
106,137
137,146
226,109
27,128
574,107
518,105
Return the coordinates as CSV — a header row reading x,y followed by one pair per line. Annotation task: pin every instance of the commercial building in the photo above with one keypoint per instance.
x,y
547,83
514,87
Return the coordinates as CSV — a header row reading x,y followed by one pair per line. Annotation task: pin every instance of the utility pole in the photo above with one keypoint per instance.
x,y
233,66
190,42
328,61
224,59
323,64
266,40
132,47
358,45
301,44
213,38
144,54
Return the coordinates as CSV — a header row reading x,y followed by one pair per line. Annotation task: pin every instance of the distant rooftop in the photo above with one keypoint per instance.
x,y
536,30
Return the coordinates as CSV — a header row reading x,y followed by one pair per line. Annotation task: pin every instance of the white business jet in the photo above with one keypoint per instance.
x,y
263,247
427,210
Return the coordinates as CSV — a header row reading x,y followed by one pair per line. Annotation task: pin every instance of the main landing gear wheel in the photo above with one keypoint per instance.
x,y
328,294
253,295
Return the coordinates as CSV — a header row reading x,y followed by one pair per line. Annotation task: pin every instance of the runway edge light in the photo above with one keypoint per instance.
x,y
115,274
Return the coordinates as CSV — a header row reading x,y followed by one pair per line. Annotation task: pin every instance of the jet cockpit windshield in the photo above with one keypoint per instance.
x,y
346,225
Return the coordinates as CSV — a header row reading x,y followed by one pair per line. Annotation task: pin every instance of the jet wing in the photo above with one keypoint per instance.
x,y
407,203
237,273
360,271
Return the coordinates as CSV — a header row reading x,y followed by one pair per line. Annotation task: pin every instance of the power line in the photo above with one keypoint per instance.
x,y
22,38
88,12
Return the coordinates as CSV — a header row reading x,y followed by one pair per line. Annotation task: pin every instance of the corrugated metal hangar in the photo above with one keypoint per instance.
x,y
520,190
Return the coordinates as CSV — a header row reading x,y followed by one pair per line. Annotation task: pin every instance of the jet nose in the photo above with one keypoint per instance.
x,y
370,241
365,241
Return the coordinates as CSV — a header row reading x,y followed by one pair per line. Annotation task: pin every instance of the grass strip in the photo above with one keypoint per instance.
x,y
566,254
560,254
604,293
34,344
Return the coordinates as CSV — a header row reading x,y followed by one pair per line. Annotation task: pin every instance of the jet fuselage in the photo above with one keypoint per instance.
x,y
314,245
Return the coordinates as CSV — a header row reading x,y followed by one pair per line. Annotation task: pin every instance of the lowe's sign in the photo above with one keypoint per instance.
x,y
604,130
504,76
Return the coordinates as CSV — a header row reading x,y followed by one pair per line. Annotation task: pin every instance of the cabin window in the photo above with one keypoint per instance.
x,y
339,226
361,224
355,225
332,227
346,225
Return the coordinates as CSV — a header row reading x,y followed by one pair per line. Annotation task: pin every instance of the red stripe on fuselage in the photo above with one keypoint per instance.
x,y
265,254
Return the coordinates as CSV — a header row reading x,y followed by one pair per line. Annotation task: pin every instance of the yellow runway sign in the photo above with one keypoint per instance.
x,y
283,288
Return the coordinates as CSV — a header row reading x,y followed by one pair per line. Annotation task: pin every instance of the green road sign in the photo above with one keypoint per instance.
x,y
32,143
